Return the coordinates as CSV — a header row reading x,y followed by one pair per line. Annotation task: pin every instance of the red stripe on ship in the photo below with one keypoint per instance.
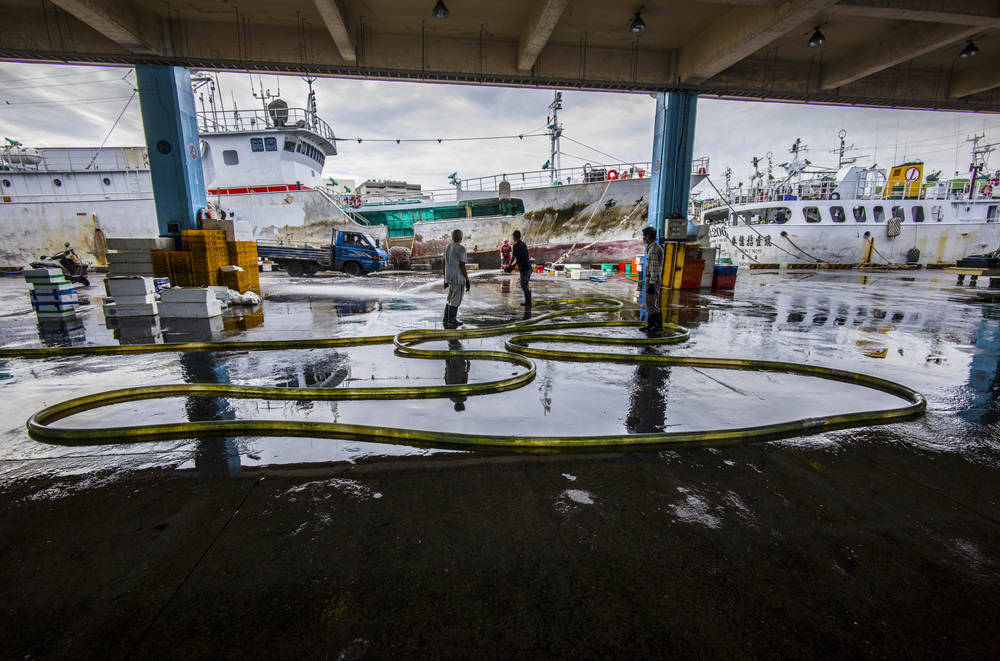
x,y
279,188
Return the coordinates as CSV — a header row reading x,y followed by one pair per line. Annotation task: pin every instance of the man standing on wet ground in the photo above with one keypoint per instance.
x,y
652,281
455,276
505,256
520,255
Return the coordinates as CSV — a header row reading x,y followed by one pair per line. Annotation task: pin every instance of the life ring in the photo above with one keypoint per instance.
x,y
641,173
355,202
701,170
835,196
203,214
612,175
986,190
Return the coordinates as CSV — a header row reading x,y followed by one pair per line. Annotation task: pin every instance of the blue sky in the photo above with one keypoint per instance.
x,y
61,105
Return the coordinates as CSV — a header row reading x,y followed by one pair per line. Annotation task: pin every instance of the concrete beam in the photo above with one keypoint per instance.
x,y
537,30
118,20
335,17
741,32
980,79
901,46
984,13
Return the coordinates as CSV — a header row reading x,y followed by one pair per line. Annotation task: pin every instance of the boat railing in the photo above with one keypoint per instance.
x,y
79,197
79,159
231,121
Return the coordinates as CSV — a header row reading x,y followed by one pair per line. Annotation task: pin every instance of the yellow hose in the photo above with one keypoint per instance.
x,y
518,352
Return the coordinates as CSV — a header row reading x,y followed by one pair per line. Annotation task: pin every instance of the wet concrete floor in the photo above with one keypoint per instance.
x,y
874,542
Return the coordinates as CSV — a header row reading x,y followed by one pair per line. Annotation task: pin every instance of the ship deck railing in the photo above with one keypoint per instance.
x,y
579,175
947,190
234,121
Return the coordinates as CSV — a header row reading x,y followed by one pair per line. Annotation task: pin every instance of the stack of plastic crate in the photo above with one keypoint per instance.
x,y
208,255
131,297
52,295
244,255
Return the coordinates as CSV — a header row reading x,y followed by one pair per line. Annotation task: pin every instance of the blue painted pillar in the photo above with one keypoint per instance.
x,y
673,151
171,128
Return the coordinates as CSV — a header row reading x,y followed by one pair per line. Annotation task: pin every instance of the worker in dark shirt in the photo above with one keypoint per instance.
x,y
520,255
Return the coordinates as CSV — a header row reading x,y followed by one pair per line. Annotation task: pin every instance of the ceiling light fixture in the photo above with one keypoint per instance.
x,y
817,39
637,25
439,11
970,50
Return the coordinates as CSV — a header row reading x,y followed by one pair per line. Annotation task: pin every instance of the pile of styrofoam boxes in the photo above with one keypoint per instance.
x,y
131,256
52,295
131,296
190,303
583,274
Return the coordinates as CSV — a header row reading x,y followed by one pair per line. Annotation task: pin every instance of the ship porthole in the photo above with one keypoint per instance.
x,y
107,182
6,183
57,182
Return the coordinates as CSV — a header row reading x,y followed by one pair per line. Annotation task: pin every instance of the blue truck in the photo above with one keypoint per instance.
x,y
354,253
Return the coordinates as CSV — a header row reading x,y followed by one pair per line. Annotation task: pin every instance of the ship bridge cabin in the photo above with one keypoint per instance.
x,y
265,150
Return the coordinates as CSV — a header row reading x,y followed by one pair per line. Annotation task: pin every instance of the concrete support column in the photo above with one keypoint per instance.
x,y
171,129
673,150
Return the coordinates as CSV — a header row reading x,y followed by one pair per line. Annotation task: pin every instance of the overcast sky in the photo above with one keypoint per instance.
x,y
61,105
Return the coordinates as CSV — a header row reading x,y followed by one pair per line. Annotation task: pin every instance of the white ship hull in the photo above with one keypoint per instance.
x,y
949,231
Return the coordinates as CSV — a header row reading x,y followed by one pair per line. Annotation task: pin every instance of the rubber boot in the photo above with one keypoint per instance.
x,y
455,323
448,316
649,323
527,300
655,323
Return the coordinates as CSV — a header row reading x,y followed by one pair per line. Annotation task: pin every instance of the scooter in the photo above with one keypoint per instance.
x,y
72,266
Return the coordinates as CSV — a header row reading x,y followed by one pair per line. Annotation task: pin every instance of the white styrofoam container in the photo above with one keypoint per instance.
x,y
201,295
55,307
129,257
56,314
202,310
161,243
130,269
59,296
236,230
41,273
54,289
137,310
135,300
129,286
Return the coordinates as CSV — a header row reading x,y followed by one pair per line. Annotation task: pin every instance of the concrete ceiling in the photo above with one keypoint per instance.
x,y
898,53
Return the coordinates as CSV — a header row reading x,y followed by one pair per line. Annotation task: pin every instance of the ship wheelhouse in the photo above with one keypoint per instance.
x,y
259,151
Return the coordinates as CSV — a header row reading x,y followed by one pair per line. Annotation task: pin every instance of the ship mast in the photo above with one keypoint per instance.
x,y
555,130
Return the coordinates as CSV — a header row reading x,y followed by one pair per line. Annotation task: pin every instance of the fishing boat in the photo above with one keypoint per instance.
x,y
852,216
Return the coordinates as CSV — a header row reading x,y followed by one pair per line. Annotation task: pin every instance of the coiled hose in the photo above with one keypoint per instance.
x,y
519,352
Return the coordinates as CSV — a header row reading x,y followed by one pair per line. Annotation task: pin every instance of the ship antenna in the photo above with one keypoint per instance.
x,y
311,103
555,130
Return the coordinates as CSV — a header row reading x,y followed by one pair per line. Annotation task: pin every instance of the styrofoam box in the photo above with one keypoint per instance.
x,y
54,289
54,307
58,296
135,300
44,276
237,230
200,295
231,269
191,310
161,243
56,314
130,269
139,310
129,257
128,286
